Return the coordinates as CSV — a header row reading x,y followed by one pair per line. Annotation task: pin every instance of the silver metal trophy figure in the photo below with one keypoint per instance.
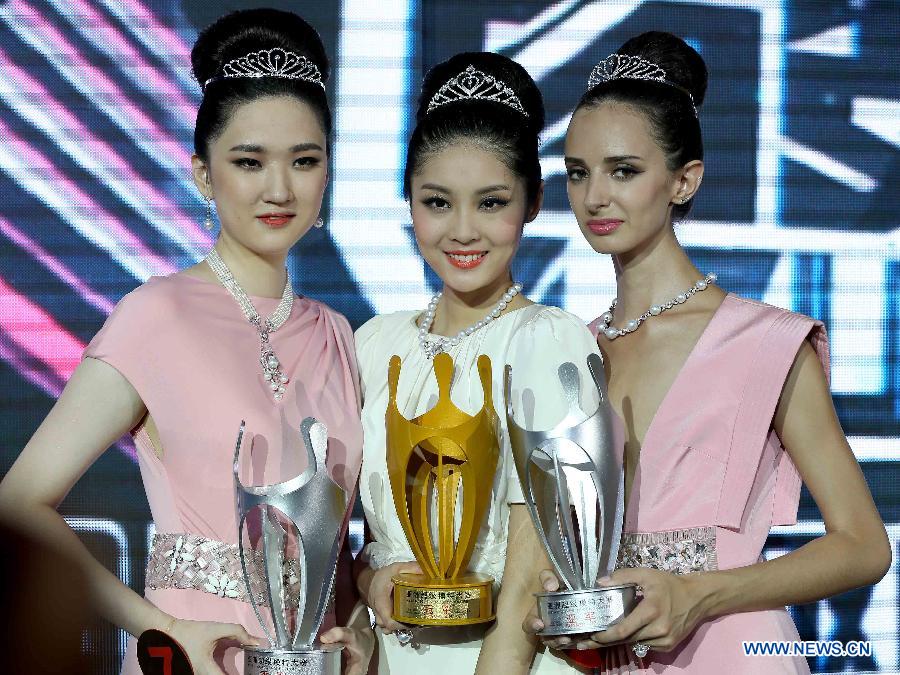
x,y
574,485
307,514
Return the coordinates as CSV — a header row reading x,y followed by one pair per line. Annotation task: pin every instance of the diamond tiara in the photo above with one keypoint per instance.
x,y
625,67
472,84
276,62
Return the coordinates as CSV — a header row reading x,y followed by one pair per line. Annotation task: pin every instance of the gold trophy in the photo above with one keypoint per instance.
x,y
441,466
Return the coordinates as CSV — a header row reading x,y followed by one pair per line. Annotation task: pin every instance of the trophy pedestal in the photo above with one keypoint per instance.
x,y
585,611
266,660
461,601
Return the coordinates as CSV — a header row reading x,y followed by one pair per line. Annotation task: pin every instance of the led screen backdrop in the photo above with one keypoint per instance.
x,y
799,207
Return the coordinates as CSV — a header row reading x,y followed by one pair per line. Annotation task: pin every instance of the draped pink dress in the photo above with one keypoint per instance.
x,y
184,345
713,478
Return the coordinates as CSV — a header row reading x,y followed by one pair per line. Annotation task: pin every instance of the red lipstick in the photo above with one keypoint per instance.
x,y
604,225
276,220
465,260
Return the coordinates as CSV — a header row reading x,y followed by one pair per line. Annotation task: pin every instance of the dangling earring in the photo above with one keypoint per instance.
x,y
208,222
319,222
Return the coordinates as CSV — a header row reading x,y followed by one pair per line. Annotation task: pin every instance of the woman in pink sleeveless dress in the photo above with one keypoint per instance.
x,y
725,401
178,363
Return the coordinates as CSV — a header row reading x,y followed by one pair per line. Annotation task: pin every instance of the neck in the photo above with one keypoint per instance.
x,y
458,310
656,272
259,275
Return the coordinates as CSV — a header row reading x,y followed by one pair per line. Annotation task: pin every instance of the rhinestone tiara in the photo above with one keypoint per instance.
x,y
626,67
275,62
472,84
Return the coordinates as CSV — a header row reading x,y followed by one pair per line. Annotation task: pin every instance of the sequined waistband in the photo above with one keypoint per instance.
x,y
189,561
675,551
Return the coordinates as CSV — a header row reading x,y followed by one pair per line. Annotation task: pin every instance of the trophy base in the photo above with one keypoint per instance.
x,y
585,611
462,601
269,660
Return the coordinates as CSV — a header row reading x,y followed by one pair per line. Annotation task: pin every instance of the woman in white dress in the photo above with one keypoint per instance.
x,y
473,180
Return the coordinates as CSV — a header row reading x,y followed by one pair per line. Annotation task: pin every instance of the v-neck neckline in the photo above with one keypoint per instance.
x,y
692,355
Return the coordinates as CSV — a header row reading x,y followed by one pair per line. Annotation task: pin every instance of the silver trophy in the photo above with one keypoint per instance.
x,y
298,526
574,485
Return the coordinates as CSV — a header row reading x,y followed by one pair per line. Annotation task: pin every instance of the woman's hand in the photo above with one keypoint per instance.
x,y
380,594
199,639
669,611
533,625
359,644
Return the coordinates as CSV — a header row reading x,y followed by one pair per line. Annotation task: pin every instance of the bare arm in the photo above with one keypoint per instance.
x,y
96,408
853,552
507,648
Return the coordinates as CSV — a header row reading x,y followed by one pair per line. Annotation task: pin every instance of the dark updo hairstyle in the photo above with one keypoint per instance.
x,y
669,109
488,124
236,35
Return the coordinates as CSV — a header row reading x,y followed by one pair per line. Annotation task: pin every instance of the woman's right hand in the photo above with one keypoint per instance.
x,y
200,639
380,594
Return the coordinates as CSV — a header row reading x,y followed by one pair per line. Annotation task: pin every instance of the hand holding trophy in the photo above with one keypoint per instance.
x,y
299,527
441,466
573,481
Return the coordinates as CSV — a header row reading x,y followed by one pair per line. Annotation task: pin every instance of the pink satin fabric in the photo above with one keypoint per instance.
x,y
710,458
185,346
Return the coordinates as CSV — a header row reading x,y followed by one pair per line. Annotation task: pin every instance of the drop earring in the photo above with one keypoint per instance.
x,y
319,222
208,222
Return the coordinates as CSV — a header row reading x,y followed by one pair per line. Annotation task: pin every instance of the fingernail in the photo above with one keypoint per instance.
x,y
581,647
604,579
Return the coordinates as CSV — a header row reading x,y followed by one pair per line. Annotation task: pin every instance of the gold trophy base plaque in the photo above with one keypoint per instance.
x,y
462,601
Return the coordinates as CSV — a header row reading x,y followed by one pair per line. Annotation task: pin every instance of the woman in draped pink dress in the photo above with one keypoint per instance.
x,y
725,401
178,362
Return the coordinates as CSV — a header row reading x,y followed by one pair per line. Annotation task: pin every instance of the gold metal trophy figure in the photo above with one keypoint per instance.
x,y
441,466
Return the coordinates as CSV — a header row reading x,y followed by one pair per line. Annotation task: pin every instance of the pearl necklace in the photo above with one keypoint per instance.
x,y
271,367
611,332
443,344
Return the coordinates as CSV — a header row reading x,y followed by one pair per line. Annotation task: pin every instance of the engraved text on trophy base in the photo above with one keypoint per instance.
x,y
433,602
585,611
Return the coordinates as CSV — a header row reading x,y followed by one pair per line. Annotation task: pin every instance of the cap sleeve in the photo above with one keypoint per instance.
x,y
539,347
125,341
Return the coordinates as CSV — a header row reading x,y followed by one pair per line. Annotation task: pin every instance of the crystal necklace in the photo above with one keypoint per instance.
x,y
611,332
265,327
432,349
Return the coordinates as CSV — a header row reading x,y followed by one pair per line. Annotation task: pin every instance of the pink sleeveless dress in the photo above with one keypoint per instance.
x,y
713,478
185,346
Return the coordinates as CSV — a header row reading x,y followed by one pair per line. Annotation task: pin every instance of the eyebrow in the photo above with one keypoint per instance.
x,y
441,188
609,160
252,147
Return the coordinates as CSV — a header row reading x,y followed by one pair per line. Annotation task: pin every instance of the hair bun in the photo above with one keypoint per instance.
x,y
683,65
239,33
501,68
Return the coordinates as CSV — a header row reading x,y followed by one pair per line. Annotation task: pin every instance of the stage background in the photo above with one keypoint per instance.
x,y
799,207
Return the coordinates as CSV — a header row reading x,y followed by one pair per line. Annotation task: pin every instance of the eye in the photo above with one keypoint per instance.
x,y
306,162
493,203
247,163
437,203
576,174
625,172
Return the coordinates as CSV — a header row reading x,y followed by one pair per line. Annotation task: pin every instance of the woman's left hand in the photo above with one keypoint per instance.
x,y
359,644
669,611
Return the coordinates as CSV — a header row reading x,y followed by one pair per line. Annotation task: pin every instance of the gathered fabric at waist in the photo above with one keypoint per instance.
x,y
676,551
191,561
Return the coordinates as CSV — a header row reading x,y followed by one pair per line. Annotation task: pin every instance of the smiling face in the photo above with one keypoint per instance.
x,y
619,186
267,172
468,209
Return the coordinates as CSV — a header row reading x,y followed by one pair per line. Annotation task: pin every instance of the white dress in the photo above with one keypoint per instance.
x,y
534,340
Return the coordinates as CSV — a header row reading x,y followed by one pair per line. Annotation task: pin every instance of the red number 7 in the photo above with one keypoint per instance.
x,y
164,653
